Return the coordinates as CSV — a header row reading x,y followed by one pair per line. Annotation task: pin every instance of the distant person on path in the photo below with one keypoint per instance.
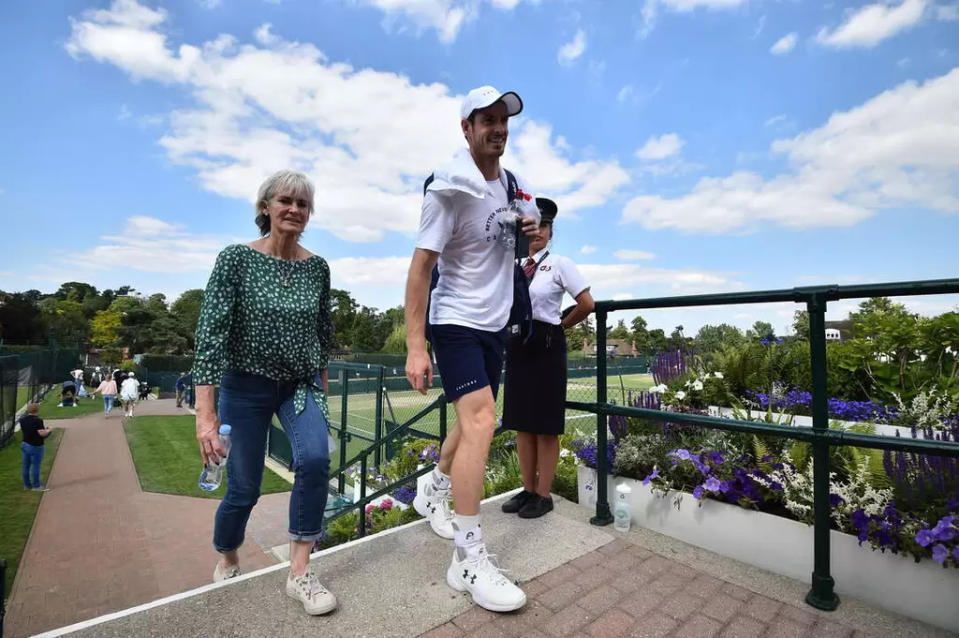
x,y
78,382
108,390
34,434
180,389
468,228
534,396
264,335
97,377
129,390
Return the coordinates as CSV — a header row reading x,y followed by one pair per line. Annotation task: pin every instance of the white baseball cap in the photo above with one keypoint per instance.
x,y
485,96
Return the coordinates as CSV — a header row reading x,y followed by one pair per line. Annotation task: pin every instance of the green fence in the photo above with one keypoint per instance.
x,y
23,377
815,298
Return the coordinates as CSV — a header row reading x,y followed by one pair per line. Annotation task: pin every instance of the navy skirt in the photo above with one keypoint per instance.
x,y
534,395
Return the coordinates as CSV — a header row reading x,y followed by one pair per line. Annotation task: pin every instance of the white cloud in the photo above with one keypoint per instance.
x,y
947,12
125,113
210,4
657,148
633,255
364,272
873,23
650,10
775,119
281,103
903,63
784,44
608,279
760,26
588,249
146,245
446,17
899,149
571,51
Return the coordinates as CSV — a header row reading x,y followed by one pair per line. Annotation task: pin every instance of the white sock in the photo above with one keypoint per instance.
x,y
440,481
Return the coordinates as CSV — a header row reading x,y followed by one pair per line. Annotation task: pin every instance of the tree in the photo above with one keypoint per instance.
x,y
761,330
105,328
186,311
364,333
343,310
396,341
657,342
584,330
801,324
20,319
64,320
75,291
620,331
711,339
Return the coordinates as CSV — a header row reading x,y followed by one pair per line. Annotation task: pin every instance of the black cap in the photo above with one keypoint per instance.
x,y
547,209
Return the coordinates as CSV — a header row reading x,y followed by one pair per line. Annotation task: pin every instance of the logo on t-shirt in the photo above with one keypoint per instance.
x,y
501,227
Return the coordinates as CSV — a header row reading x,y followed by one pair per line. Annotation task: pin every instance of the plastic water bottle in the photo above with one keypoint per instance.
x,y
212,473
621,513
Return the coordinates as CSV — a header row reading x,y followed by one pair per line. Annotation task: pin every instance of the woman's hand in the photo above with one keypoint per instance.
x,y
208,435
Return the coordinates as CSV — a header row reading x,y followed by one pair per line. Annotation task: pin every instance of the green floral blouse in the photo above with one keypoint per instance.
x,y
266,316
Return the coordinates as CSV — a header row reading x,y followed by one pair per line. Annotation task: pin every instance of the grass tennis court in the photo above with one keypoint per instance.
x,y
400,406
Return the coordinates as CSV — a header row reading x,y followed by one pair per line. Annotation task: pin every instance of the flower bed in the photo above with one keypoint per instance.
x,y
923,591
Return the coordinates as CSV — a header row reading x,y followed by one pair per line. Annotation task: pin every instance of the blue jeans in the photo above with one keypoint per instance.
x,y
108,402
248,403
32,458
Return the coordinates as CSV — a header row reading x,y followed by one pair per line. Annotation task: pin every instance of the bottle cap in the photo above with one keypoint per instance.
x,y
225,429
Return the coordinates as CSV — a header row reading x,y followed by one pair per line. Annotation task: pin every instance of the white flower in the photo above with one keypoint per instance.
x,y
688,383
563,453
680,395
718,375
698,385
658,388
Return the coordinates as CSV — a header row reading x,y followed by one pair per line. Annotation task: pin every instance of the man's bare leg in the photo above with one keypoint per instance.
x,y
476,419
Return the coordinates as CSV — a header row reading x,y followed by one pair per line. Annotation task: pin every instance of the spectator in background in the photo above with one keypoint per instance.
x,y
108,390
78,382
129,390
31,426
180,389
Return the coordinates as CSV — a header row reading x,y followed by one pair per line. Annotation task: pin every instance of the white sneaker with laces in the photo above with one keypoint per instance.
x,y
307,589
434,504
221,573
484,580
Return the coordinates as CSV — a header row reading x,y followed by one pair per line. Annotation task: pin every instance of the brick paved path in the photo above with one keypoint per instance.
x,y
625,590
99,544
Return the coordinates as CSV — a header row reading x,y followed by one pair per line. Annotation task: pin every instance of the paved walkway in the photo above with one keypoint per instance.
x,y
581,581
99,544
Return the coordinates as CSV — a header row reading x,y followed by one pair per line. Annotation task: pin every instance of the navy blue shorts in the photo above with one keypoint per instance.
x,y
468,359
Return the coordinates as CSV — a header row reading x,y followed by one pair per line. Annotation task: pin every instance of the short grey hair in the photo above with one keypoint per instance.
x,y
285,181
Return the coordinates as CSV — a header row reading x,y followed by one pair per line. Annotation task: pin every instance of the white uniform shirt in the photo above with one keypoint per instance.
x,y
461,220
129,389
554,276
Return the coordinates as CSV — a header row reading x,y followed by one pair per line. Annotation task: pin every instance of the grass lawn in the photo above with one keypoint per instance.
x,y
49,409
18,505
167,458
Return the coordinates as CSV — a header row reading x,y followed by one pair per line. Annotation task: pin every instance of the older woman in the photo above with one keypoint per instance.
x,y
264,336
535,390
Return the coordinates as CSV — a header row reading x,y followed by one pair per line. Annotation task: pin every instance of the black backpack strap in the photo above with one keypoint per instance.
x,y
426,184
511,186
434,276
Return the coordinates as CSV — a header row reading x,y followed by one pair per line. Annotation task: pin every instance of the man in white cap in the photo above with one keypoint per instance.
x,y
129,390
470,210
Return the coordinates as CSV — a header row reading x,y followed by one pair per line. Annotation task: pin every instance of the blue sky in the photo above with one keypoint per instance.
x,y
692,145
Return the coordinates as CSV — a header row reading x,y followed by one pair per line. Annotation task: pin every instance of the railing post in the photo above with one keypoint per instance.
x,y
442,421
378,425
603,515
821,595
362,496
344,405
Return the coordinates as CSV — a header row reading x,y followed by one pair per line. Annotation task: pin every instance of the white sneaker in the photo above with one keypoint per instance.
x,y
478,575
307,589
434,504
221,573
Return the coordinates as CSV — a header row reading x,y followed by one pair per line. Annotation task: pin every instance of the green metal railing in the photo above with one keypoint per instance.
x,y
821,594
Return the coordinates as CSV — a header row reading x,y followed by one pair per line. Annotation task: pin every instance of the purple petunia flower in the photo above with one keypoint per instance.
x,y
955,552
724,486
835,500
715,457
776,486
683,454
925,538
698,492
652,475
939,553
712,484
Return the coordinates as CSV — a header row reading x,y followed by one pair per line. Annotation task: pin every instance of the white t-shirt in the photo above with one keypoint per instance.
x,y
475,288
130,388
555,276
